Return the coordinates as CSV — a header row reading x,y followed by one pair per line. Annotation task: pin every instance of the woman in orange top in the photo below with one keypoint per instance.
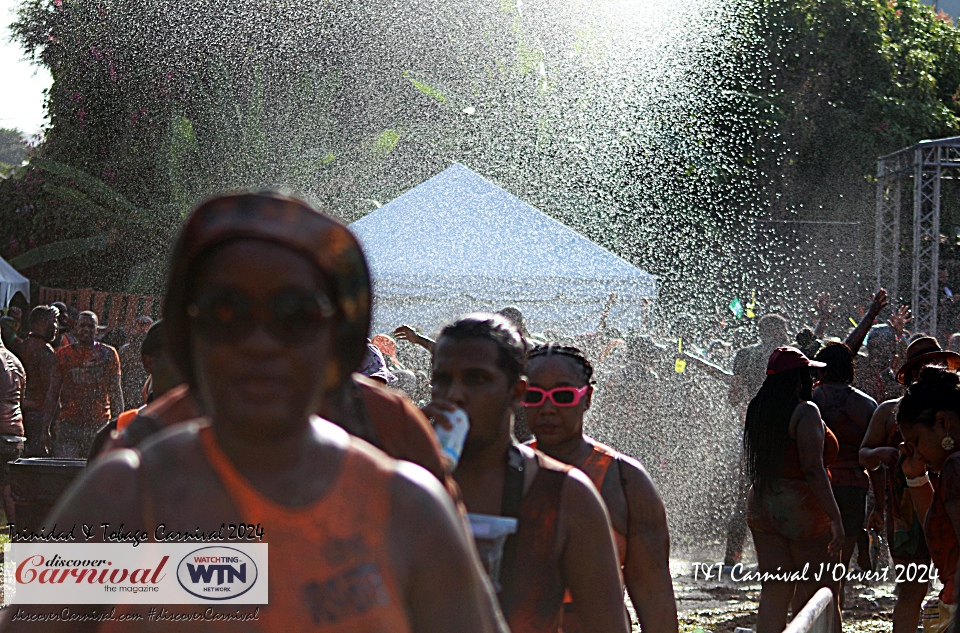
x,y
558,395
269,307
791,511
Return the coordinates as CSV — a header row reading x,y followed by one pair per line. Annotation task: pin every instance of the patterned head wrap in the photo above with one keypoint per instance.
x,y
288,222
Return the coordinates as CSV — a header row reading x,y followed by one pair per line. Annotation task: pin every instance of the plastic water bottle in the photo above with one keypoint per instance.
x,y
452,440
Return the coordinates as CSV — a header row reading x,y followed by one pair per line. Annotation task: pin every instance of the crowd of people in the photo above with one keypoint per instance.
x,y
261,397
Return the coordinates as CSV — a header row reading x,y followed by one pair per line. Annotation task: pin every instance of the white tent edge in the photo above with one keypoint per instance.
x,y
11,283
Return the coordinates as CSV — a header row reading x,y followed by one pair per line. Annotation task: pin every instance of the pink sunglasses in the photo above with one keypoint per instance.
x,y
560,396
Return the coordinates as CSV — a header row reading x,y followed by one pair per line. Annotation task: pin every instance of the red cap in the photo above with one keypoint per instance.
x,y
786,358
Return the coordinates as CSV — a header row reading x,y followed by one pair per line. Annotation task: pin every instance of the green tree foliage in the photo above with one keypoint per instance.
x,y
165,105
798,100
849,81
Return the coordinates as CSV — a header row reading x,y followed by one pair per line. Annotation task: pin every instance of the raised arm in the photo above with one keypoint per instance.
x,y
824,312
407,333
605,312
647,568
713,370
589,559
855,339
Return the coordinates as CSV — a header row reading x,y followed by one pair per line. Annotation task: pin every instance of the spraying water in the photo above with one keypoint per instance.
x,y
631,122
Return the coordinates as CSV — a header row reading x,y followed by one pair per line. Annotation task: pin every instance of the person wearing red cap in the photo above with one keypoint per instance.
x,y
791,511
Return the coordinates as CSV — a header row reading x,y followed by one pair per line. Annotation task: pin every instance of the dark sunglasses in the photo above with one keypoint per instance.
x,y
290,316
560,396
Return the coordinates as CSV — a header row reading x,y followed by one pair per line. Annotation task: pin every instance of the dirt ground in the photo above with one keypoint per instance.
x,y
721,606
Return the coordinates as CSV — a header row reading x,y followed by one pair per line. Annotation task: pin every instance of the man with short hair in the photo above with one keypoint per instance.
x,y
135,425
13,382
564,537
85,387
750,363
39,360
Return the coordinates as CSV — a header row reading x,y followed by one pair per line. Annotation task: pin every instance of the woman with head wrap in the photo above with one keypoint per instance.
x,y
268,307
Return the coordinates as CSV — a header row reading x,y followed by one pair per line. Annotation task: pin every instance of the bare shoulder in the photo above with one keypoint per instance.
x,y
415,486
578,493
806,408
806,413
412,489
863,400
423,522
888,407
106,491
173,462
885,415
174,453
638,478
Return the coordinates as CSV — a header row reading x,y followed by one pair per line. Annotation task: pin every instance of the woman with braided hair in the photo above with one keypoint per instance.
x,y
791,510
558,395
929,421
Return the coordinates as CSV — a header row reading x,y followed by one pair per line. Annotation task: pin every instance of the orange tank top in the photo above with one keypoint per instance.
x,y
347,585
329,566
125,418
791,468
595,467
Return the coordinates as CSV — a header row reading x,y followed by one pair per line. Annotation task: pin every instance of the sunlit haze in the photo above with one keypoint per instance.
x,y
23,83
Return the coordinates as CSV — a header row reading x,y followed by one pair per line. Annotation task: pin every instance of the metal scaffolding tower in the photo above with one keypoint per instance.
x,y
924,163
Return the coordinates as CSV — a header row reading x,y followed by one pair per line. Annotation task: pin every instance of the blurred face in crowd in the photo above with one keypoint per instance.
x,y
62,317
141,325
550,423
258,341
86,329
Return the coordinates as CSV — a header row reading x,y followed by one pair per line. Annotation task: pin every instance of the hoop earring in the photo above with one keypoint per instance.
x,y
947,443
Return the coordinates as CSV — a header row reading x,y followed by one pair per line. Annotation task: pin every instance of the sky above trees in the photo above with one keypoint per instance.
x,y
23,83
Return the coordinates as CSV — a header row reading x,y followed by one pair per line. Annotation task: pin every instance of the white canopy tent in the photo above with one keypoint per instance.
x,y
458,243
12,282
